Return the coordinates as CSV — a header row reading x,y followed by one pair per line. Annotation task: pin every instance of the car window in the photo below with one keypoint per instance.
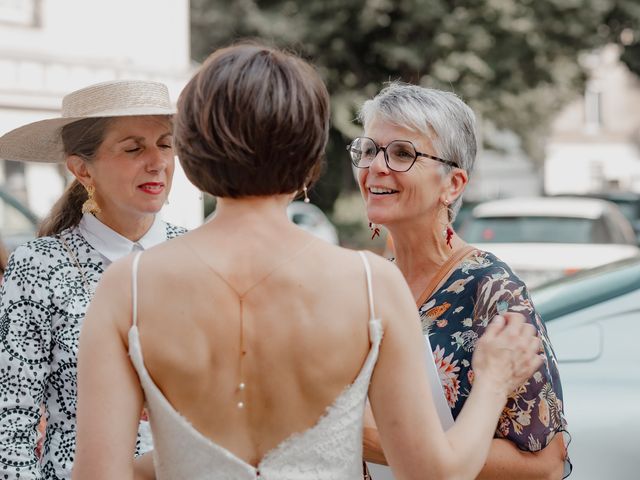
x,y
586,288
603,230
531,229
619,226
630,210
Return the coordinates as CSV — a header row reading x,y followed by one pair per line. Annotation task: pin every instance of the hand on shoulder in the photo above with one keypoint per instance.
x,y
508,353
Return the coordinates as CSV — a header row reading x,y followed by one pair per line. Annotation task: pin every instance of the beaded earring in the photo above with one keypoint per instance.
x,y
448,232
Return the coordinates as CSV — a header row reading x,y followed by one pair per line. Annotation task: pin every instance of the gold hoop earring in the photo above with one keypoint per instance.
x,y
90,205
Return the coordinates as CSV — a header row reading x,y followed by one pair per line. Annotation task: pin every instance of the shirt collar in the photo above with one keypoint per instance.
x,y
114,246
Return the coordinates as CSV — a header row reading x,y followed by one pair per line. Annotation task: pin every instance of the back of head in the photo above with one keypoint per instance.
x,y
253,121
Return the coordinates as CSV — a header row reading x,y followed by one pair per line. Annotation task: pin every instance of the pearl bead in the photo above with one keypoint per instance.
x,y
241,386
240,405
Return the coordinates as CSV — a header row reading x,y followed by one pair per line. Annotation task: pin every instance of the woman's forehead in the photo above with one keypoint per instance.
x,y
139,125
383,131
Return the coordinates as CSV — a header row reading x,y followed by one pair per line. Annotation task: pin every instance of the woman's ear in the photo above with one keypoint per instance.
x,y
458,182
78,167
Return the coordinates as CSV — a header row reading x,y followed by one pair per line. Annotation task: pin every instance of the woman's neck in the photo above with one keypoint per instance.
x,y
252,212
131,227
420,250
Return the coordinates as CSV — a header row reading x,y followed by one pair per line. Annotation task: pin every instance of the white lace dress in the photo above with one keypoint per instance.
x,y
330,450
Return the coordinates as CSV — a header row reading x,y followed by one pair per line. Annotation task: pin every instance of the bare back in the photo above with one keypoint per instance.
x,y
301,309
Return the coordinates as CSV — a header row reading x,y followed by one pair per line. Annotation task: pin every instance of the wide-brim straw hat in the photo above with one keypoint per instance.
x,y
41,141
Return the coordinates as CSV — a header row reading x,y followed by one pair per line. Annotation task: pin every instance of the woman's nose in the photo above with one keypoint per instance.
x,y
158,159
378,164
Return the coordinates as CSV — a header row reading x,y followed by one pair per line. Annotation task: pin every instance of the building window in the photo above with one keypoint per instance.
x,y
593,109
21,13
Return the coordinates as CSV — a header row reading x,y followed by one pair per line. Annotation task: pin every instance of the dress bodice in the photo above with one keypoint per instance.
x,y
330,449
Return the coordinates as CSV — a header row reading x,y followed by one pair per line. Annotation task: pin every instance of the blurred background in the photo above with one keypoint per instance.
x,y
555,85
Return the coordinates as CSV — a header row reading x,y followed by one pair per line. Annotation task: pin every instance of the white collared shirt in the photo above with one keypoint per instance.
x,y
113,246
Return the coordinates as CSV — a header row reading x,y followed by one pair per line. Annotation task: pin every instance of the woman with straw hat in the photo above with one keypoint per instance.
x,y
116,139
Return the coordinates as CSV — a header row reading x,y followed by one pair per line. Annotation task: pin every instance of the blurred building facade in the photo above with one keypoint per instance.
x,y
502,171
51,47
595,141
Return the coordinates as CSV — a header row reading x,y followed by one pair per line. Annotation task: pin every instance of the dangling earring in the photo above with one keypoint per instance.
x,y
306,194
90,205
375,230
447,233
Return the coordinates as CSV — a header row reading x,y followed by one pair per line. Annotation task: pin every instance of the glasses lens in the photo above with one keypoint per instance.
x,y
401,155
362,151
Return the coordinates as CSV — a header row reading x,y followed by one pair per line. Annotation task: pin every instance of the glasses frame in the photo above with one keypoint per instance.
x,y
386,157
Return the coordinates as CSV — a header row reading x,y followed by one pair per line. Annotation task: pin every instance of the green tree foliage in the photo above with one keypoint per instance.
x,y
514,61
622,25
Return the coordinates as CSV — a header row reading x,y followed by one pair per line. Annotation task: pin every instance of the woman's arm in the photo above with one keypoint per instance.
x,y
25,350
534,411
110,398
410,430
371,447
143,467
505,461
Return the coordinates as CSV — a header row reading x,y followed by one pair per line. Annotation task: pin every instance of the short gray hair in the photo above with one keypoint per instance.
x,y
441,116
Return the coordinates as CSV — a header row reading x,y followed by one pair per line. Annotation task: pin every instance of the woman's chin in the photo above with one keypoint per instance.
x,y
379,219
153,207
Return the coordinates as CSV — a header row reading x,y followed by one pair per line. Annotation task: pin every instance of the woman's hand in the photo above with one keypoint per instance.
x,y
507,354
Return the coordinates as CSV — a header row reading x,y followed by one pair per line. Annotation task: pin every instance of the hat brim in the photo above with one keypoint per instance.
x,y
41,141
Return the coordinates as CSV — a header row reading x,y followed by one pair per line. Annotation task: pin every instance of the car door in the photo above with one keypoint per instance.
x,y
598,356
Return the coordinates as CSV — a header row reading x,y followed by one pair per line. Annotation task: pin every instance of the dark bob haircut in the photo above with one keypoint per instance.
x,y
253,121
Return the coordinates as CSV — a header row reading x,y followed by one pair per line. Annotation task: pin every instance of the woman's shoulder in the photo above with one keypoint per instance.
x,y
38,248
51,248
482,264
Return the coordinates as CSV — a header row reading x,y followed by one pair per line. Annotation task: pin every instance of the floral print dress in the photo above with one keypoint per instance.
x,y
455,317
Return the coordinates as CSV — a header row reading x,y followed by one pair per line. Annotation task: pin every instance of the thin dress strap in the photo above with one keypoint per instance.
x,y
367,269
134,288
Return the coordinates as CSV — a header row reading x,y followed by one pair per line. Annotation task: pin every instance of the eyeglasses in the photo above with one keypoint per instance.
x,y
399,155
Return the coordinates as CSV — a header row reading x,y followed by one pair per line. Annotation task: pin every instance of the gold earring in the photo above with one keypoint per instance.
x,y
90,205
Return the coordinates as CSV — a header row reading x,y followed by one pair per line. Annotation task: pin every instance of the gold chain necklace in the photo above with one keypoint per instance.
x,y
87,286
241,387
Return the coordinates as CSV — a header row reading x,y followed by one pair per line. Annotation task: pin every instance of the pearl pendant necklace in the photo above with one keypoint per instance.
x,y
241,387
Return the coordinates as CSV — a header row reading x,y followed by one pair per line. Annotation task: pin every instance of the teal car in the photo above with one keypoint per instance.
x,y
593,319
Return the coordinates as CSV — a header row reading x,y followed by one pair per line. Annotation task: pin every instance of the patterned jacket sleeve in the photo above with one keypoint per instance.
x,y
534,412
25,350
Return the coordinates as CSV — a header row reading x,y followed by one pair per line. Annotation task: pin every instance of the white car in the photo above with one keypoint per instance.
x,y
549,237
593,320
310,218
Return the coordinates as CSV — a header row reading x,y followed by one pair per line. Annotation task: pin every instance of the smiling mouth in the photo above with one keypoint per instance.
x,y
153,188
381,191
